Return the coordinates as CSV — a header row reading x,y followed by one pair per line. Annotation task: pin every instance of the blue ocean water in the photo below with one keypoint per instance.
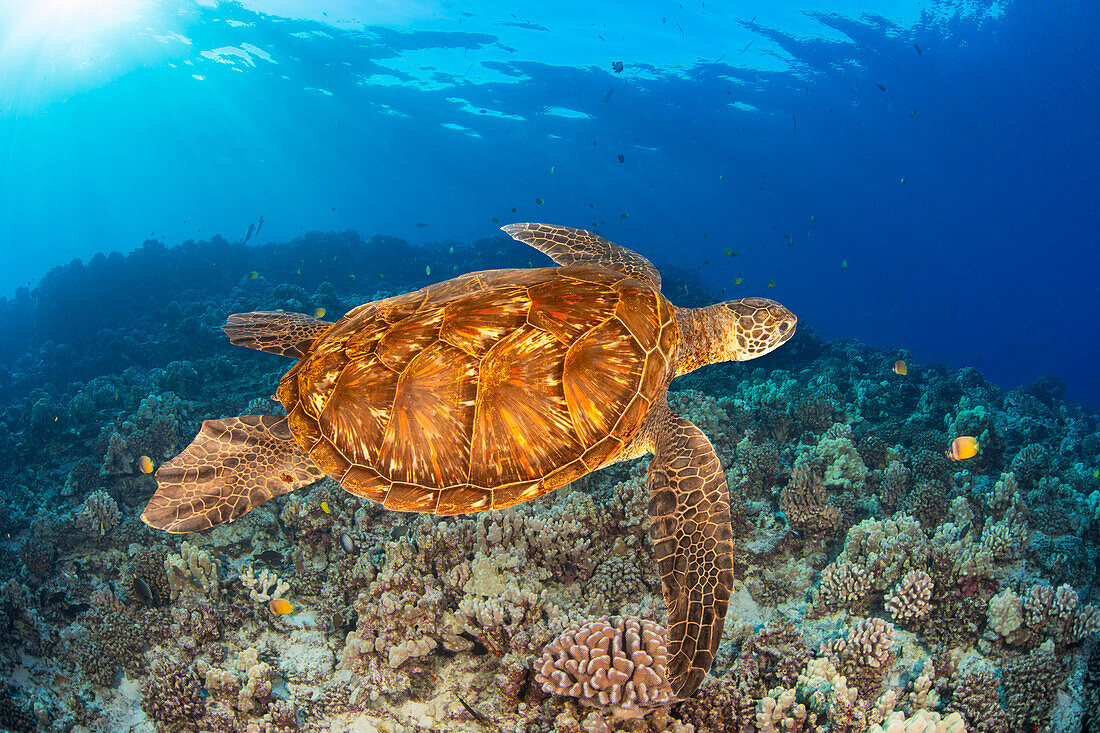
x,y
946,153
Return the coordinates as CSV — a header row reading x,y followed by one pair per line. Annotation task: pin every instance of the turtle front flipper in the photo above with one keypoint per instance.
x,y
568,246
232,466
692,540
285,334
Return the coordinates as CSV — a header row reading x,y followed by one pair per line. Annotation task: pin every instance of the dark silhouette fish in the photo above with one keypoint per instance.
x,y
259,225
271,557
143,591
248,236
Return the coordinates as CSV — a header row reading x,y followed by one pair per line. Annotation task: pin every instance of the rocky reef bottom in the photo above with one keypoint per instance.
x,y
880,585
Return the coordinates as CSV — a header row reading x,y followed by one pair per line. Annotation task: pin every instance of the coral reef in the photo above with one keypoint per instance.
x,y
880,586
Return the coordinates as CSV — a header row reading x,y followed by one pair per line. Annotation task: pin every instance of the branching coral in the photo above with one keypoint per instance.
x,y
820,692
98,515
1043,612
886,548
756,466
911,597
844,587
864,655
616,661
153,430
977,696
192,568
804,502
172,695
894,484
615,581
920,722
1030,684
263,586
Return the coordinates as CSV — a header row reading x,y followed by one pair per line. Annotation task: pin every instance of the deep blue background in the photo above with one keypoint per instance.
x,y
986,255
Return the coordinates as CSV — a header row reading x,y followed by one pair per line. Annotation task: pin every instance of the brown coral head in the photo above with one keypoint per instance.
x,y
618,661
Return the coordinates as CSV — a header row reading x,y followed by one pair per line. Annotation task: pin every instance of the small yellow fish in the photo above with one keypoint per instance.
x,y
351,277
737,281
451,251
963,447
900,368
280,606
1096,473
771,283
253,275
145,463
427,269
728,251
623,216
540,202
324,507
319,312
844,264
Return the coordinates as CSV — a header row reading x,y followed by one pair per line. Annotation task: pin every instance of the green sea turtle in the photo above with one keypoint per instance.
x,y
489,390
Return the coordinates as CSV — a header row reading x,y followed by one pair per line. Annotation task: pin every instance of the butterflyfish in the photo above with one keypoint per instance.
x,y
253,275
280,606
427,269
319,312
145,463
900,368
963,447
771,283
737,281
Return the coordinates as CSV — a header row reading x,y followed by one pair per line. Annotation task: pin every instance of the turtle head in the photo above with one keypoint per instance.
x,y
756,326
737,330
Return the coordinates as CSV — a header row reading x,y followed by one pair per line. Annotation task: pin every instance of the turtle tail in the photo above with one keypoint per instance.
x,y
286,334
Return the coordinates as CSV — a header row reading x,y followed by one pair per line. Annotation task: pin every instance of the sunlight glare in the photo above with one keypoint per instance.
x,y
51,47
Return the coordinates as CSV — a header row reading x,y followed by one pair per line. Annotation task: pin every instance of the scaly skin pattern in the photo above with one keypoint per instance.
x,y
484,391
492,389
231,466
692,540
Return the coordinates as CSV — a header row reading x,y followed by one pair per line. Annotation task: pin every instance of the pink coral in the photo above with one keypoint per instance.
x,y
619,661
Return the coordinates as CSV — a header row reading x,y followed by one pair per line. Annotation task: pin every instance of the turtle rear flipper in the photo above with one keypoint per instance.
x,y
568,246
232,466
692,541
286,334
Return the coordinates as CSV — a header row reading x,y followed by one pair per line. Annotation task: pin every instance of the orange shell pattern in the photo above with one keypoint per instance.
x,y
484,391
